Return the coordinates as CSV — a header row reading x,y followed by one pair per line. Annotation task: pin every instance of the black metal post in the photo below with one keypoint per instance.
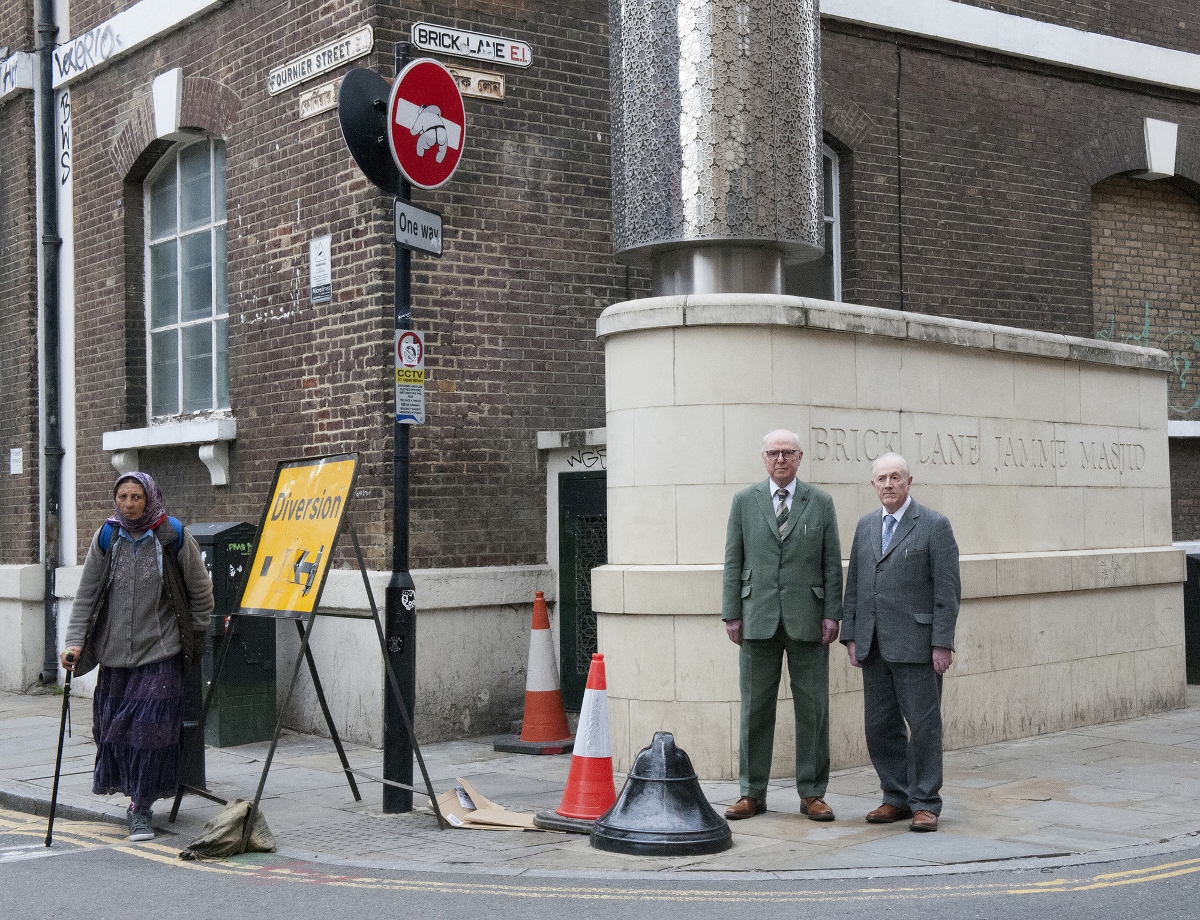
x,y
400,607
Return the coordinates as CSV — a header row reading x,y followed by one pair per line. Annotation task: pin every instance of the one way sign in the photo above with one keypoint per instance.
x,y
418,229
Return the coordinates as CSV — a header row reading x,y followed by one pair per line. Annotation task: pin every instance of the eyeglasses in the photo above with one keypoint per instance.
x,y
776,454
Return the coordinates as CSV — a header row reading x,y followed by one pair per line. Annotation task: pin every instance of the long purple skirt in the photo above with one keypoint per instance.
x,y
137,714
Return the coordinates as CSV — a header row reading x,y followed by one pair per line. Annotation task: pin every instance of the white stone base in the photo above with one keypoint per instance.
x,y
1047,453
22,623
1025,663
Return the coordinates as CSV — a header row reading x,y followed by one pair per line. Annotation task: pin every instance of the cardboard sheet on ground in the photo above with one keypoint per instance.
x,y
465,808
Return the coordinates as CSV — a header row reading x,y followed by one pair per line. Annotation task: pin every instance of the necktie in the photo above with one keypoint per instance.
x,y
781,515
889,528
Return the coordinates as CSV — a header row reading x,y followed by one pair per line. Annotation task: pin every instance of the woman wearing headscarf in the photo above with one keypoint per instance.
x,y
140,613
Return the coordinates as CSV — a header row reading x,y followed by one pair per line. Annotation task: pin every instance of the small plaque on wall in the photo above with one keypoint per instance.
x,y
478,84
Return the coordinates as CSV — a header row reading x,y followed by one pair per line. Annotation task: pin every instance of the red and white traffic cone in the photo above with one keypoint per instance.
x,y
590,789
544,729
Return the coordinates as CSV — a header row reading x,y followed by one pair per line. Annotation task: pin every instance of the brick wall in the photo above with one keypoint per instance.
x,y
1146,290
19,538
509,312
1185,494
995,197
1146,279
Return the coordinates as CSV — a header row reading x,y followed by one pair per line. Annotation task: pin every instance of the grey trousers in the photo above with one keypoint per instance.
x,y
903,714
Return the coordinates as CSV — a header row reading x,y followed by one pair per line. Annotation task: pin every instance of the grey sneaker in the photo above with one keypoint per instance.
x,y
140,827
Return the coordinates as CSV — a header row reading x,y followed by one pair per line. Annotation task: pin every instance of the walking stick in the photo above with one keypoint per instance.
x,y
62,730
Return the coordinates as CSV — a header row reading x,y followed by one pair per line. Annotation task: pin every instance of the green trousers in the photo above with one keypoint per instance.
x,y
761,664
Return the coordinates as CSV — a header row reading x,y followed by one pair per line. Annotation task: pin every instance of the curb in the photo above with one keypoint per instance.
x,y
40,808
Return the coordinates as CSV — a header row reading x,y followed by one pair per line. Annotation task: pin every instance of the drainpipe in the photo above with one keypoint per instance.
x,y
52,451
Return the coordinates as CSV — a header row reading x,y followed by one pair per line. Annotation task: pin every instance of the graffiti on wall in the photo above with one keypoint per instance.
x,y
1183,390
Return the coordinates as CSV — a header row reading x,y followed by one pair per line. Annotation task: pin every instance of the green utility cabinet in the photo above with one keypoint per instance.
x,y
243,707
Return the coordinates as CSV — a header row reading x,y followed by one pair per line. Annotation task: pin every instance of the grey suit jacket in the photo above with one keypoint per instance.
x,y
907,598
791,576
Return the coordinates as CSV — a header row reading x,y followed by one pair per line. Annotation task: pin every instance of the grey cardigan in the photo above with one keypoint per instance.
x,y
140,625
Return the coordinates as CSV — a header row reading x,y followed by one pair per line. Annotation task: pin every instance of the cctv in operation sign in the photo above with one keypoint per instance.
x,y
426,128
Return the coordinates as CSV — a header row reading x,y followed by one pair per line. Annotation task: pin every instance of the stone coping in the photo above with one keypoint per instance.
x,y
781,310
22,582
675,590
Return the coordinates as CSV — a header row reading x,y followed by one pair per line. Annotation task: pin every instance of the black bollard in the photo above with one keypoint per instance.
x,y
661,810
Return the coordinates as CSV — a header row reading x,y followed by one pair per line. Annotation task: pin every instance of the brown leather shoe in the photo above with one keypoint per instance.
x,y
888,814
924,821
745,807
814,806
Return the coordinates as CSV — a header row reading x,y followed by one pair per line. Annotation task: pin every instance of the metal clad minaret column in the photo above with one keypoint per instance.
x,y
716,141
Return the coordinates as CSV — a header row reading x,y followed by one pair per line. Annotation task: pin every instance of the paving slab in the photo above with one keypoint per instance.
x,y
1090,793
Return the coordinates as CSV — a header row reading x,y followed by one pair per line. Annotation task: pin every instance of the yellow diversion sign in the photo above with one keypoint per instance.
x,y
297,535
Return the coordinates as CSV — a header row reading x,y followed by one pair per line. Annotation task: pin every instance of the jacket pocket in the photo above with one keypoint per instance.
x,y
819,591
925,619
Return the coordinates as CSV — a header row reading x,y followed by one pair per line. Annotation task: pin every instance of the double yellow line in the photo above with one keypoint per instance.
x,y
1115,879
97,834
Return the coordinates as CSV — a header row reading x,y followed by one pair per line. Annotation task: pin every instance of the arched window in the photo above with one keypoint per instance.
x,y
187,305
822,278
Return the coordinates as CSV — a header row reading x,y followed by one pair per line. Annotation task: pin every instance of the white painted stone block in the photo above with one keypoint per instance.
x,y
673,590
639,370
723,364
706,661
702,513
639,656
832,370
678,445
641,525
1042,392
879,373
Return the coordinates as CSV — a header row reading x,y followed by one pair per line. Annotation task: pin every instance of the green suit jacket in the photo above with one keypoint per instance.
x,y
793,576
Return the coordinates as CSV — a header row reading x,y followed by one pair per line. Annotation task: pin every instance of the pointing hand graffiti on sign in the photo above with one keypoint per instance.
x,y
429,127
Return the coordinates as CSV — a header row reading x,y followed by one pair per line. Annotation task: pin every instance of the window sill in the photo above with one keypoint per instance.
x,y
211,435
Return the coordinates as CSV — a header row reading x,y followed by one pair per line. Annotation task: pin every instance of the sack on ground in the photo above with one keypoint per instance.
x,y
221,837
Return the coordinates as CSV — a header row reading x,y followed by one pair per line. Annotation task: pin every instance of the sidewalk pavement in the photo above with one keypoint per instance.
x,y
1087,795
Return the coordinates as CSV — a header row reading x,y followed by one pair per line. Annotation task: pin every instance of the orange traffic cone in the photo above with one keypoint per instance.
x,y
544,729
590,790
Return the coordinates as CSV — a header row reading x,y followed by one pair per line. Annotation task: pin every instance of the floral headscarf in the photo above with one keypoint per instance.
x,y
155,511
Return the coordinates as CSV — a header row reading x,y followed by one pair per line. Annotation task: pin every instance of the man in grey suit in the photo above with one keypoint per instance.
x,y
902,597
782,593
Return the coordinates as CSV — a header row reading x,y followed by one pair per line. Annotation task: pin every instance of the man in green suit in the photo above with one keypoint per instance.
x,y
783,594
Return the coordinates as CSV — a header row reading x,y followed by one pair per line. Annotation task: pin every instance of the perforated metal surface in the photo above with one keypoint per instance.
x,y
716,124
591,550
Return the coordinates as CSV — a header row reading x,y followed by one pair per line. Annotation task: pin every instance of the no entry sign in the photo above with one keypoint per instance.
x,y
426,123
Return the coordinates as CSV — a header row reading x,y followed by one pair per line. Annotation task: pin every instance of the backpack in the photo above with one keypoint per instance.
x,y
109,528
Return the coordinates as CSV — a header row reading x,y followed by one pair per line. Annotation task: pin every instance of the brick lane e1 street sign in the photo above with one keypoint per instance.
x,y
477,46
426,127
410,377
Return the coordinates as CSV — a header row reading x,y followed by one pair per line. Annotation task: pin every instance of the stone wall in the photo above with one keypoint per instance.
x,y
1047,453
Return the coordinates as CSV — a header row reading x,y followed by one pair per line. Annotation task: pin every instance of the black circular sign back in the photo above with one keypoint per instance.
x,y
362,113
